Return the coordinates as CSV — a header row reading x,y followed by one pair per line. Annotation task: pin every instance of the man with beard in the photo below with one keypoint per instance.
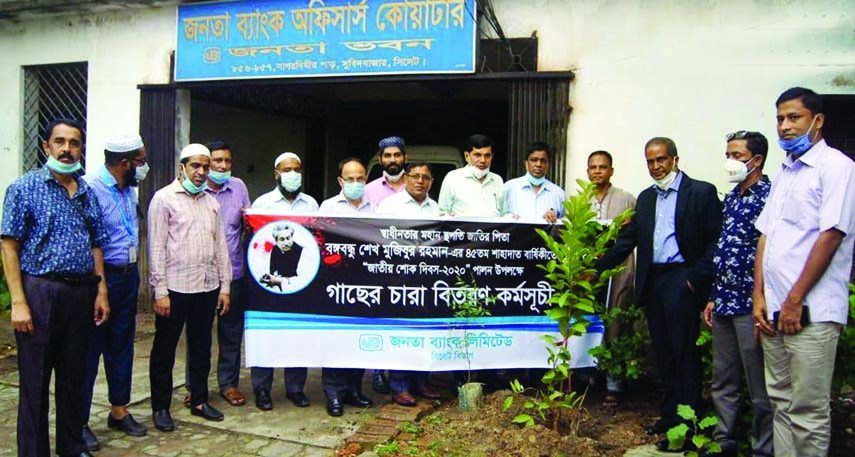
x,y
124,167
286,197
392,158
533,197
52,235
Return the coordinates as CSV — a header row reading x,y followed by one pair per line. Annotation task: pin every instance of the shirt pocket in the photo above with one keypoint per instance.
x,y
802,207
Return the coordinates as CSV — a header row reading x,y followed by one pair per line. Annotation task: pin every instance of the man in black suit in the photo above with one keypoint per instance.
x,y
675,227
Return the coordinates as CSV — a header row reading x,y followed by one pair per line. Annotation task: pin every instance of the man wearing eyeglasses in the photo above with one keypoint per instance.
x,y
533,197
344,385
729,311
124,167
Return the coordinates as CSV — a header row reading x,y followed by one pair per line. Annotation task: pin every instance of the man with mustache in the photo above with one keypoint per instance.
x,y
392,157
533,197
52,239
124,167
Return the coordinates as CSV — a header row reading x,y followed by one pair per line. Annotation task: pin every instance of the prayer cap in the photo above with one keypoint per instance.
x,y
194,149
392,141
286,155
124,142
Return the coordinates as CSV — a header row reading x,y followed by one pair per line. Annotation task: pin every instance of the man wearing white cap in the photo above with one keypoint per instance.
x,y
186,234
286,197
124,167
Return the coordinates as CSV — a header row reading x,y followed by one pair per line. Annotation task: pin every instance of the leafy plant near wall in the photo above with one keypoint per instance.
x,y
577,245
623,356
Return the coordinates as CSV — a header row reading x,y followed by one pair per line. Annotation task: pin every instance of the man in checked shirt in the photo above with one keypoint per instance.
x,y
187,235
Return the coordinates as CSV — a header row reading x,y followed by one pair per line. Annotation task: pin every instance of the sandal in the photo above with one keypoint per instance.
x,y
187,401
612,400
234,396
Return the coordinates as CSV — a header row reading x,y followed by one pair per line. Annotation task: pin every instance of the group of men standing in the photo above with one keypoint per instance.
x,y
70,248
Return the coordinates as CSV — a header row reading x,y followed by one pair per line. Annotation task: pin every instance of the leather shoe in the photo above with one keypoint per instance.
x,y
92,442
404,399
658,428
128,425
358,400
379,383
428,392
263,400
207,412
299,399
334,407
163,421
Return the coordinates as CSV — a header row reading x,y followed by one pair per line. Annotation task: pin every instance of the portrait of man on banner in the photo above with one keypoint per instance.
x,y
284,257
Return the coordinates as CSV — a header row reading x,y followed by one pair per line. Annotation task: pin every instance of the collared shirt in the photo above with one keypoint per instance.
x,y
341,205
56,233
403,204
187,243
665,248
522,200
812,194
614,203
233,197
275,200
462,194
119,209
376,191
733,287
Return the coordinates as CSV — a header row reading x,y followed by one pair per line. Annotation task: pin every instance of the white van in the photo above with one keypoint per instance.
x,y
442,159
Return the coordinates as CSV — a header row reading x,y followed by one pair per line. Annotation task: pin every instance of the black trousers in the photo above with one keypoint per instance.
x,y
63,322
337,382
198,311
674,320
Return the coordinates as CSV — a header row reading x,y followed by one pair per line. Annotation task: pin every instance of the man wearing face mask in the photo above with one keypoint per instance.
x,y
286,197
533,197
675,227
801,275
392,158
474,191
124,167
729,311
190,276
344,385
52,239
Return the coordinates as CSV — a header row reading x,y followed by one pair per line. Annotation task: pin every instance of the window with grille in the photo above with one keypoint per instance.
x,y
51,92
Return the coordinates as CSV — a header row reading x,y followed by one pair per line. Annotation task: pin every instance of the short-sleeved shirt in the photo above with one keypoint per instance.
x,y
462,194
233,197
275,200
341,205
57,233
403,204
378,190
120,210
812,194
522,200
733,288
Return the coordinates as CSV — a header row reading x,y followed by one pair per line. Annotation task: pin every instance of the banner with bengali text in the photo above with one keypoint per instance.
x,y
308,38
371,292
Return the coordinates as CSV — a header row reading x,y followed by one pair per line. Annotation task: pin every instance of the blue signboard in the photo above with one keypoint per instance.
x,y
300,38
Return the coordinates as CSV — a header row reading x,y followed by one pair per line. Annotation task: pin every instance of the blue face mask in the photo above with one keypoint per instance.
x,y
798,145
62,168
219,177
537,182
353,190
189,186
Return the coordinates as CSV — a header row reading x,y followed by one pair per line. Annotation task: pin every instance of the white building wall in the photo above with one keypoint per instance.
x,y
123,49
691,70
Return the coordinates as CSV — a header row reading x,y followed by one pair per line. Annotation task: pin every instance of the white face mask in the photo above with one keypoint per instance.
x,y
666,181
291,180
737,170
141,172
478,172
393,178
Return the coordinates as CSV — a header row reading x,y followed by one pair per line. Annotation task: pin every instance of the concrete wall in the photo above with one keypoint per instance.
x,y
123,49
692,70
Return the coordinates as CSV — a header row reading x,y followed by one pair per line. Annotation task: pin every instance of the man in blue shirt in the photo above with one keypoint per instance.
x,y
52,235
729,311
532,197
124,167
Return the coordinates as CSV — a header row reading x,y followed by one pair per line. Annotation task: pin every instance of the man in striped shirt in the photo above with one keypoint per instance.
x,y
186,233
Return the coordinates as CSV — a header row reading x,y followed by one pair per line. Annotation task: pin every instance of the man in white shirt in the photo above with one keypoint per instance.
x,y
286,197
345,384
533,197
474,191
